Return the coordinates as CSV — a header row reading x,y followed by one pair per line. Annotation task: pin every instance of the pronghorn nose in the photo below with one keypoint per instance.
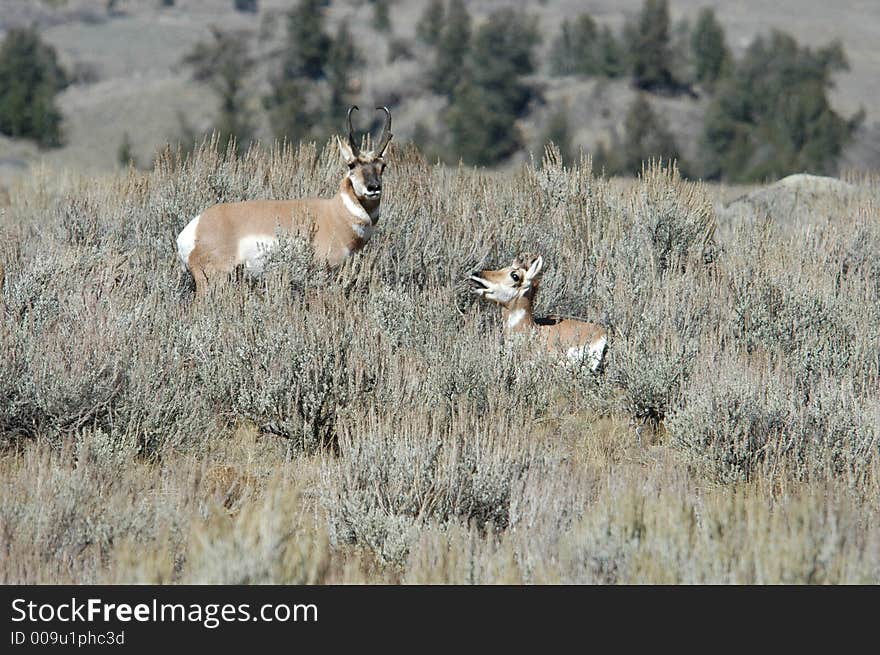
x,y
374,186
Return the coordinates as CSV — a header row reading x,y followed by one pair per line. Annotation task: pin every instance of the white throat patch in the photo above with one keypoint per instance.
x,y
355,209
515,318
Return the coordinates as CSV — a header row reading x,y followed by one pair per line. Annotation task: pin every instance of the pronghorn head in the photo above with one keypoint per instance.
x,y
511,283
365,168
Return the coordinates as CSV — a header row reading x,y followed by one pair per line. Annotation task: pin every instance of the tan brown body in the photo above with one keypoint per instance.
x,y
229,235
514,288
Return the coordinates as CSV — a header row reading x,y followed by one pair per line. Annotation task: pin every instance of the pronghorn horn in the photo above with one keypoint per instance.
x,y
354,147
386,131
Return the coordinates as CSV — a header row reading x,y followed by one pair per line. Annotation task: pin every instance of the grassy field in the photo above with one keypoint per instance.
x,y
371,426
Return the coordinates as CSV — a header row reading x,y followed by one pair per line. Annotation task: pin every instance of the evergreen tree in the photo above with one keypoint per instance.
x,y
452,48
481,127
558,131
576,49
341,59
612,61
502,52
290,113
771,116
223,64
646,137
430,25
294,106
308,45
381,16
125,154
648,45
30,77
483,112
708,49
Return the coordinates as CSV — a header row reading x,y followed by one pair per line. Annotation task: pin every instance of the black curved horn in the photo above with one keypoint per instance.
x,y
354,147
386,131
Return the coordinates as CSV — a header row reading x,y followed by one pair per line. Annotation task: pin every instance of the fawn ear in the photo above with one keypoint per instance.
x,y
346,151
535,268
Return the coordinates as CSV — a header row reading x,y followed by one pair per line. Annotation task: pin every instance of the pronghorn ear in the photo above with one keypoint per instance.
x,y
535,268
346,151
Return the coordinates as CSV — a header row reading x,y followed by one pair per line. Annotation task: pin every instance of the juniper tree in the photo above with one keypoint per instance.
x,y
381,16
612,61
771,116
30,78
308,44
648,46
452,49
557,130
646,137
430,25
223,64
576,48
708,49
485,105
341,59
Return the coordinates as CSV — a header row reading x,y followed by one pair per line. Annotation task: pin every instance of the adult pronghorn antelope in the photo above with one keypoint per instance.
x,y
514,288
229,235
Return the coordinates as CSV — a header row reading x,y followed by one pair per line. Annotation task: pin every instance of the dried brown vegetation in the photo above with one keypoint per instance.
x,y
369,425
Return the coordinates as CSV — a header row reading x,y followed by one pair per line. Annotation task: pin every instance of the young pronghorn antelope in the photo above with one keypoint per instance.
x,y
514,288
229,235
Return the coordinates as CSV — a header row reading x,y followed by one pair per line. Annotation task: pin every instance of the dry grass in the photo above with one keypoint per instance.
x,y
370,426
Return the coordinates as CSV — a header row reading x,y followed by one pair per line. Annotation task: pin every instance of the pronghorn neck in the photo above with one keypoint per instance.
x,y
364,211
517,314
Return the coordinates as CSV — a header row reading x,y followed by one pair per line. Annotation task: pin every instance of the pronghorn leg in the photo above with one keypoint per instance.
x,y
201,276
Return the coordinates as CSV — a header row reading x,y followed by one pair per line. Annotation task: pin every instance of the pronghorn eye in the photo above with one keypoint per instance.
x,y
515,276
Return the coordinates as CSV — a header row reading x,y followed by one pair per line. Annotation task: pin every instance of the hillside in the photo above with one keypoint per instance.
x,y
131,81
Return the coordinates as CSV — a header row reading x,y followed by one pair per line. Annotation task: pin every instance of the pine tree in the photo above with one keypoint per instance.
x,y
125,154
341,59
249,6
485,105
502,52
771,116
223,64
308,45
292,102
646,137
709,49
612,62
30,77
558,131
576,49
648,45
430,25
381,16
452,48
481,127
290,113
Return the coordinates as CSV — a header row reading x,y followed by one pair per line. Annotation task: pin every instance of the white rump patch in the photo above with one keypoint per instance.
x,y
592,352
186,240
252,251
